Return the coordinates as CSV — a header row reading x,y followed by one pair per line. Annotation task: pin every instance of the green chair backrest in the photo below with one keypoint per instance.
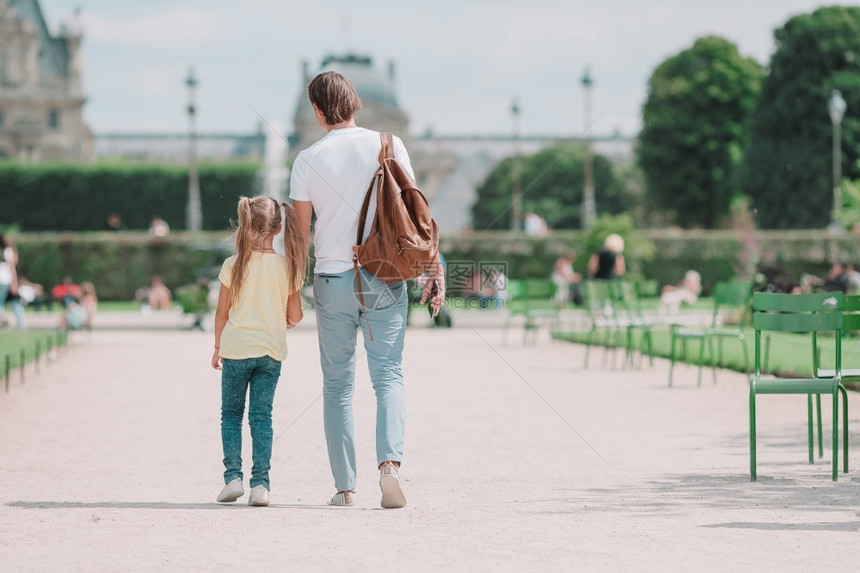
x,y
625,296
814,312
516,289
648,288
809,313
540,288
731,294
598,297
851,312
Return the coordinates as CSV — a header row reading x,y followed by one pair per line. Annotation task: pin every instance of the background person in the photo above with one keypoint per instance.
x,y
567,281
158,296
608,262
686,292
9,281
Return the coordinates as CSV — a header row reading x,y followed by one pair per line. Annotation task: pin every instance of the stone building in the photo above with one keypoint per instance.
x,y
41,100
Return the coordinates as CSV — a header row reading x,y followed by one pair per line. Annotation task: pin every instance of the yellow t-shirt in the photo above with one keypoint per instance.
x,y
257,322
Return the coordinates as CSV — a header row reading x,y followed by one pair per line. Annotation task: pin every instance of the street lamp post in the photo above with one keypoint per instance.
x,y
589,208
517,194
836,105
194,210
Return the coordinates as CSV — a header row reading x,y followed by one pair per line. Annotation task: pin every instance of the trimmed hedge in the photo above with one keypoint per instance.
x,y
74,197
119,263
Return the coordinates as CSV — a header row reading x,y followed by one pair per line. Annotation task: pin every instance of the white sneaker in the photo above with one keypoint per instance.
x,y
259,496
343,498
232,491
389,483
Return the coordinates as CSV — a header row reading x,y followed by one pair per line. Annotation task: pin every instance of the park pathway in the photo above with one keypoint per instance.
x,y
517,460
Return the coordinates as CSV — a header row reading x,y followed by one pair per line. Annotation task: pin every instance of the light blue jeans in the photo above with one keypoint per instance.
x,y
339,316
261,374
17,307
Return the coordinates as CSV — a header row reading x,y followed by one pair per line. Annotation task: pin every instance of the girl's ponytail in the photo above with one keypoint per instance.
x,y
295,249
244,244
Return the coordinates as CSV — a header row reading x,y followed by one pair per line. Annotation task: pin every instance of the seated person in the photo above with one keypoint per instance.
x,y
687,292
66,292
566,280
837,278
158,295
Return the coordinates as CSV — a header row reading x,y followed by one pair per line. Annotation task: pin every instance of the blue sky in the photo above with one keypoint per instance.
x,y
459,63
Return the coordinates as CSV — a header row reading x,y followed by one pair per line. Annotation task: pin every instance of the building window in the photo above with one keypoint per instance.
x,y
53,119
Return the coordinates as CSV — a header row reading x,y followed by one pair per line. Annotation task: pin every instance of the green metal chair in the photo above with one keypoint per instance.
x,y
631,319
600,309
807,313
728,296
515,303
533,299
540,307
850,323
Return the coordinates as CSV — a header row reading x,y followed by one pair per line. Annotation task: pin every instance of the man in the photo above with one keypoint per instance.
x,y
330,179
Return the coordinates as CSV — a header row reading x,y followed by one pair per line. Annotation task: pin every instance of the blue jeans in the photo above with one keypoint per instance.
x,y
339,316
261,374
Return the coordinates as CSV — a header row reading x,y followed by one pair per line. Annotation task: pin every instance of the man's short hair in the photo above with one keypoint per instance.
x,y
335,97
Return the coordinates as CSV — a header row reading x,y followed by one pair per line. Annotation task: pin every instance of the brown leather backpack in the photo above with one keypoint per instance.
x,y
404,239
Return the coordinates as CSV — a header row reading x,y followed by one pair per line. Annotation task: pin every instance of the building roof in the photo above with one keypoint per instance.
x,y
372,86
53,53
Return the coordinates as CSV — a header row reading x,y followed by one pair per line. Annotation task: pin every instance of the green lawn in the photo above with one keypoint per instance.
x,y
789,354
13,341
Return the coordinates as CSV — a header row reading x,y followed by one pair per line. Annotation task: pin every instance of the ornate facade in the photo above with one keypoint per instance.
x,y
41,100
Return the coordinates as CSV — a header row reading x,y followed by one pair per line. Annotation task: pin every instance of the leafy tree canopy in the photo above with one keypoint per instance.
x,y
787,170
694,129
552,184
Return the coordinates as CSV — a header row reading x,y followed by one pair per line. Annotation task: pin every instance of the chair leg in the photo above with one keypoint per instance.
x,y
844,428
701,362
746,354
753,476
820,430
650,349
671,360
835,434
809,420
766,354
715,363
588,348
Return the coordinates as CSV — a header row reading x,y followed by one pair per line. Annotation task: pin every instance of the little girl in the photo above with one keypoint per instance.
x,y
259,300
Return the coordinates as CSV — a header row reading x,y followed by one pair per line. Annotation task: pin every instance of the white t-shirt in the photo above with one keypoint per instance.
x,y
334,174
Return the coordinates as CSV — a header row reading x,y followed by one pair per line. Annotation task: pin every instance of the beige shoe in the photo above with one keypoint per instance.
x,y
231,492
259,496
389,483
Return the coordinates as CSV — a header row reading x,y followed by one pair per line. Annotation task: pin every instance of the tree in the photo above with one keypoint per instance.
x,y
787,170
552,186
694,130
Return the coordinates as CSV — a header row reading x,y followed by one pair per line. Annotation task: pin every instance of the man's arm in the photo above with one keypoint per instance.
x,y
304,210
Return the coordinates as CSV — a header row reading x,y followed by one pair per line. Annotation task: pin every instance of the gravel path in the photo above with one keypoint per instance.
x,y
517,460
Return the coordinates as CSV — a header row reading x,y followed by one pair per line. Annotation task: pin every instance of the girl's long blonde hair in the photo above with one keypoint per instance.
x,y
259,217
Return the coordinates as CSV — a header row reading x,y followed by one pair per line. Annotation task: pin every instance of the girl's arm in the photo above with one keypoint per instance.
x,y
294,309
221,314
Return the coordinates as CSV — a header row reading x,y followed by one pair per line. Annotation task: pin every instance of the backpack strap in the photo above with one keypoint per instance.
x,y
362,214
386,151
